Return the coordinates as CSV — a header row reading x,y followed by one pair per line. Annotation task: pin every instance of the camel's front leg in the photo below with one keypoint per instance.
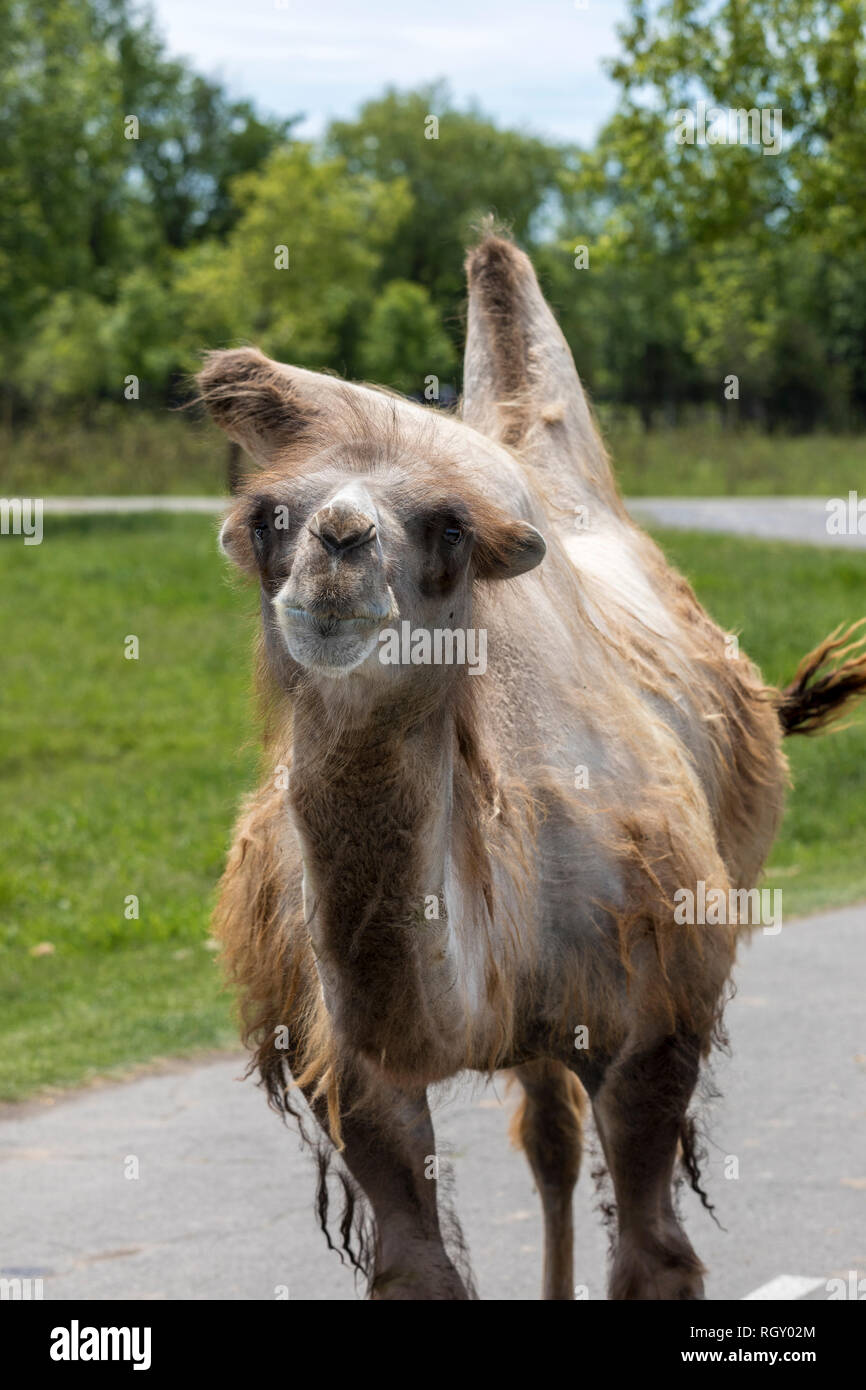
x,y
639,1110
389,1151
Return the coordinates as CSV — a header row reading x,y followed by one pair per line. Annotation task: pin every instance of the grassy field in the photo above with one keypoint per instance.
x,y
121,777
127,450
781,600
702,460
119,451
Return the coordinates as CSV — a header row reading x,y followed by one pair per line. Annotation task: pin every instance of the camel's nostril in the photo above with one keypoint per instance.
x,y
336,539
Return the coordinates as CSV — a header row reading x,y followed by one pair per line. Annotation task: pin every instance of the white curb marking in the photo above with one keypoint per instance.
x,y
785,1286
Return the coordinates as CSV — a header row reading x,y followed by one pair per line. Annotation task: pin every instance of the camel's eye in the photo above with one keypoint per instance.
x,y
260,530
453,534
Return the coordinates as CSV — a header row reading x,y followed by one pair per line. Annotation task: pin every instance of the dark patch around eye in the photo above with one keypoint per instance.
x,y
445,530
269,519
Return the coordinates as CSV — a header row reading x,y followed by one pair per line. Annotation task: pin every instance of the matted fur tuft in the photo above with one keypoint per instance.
x,y
813,700
494,271
250,398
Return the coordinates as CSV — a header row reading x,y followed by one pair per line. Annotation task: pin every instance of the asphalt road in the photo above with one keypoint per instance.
x,y
803,519
222,1205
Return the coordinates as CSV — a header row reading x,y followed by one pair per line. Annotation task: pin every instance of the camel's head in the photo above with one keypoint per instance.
x,y
370,521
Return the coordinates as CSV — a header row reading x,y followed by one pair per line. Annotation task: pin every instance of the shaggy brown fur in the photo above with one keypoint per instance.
x,y
421,885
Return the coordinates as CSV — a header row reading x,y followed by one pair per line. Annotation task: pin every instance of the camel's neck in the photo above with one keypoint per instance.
x,y
373,808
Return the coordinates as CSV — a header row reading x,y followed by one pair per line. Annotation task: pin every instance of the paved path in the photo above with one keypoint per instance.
x,y
222,1206
801,519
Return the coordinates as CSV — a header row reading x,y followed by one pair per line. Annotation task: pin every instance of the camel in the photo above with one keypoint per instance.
x,y
449,870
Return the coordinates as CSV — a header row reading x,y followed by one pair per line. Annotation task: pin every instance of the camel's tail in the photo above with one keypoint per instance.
x,y
829,679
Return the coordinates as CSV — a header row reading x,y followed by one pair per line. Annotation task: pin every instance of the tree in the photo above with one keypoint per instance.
x,y
84,207
404,343
459,167
297,273
712,251
193,140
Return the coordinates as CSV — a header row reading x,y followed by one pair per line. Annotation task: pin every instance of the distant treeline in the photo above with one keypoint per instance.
x,y
693,258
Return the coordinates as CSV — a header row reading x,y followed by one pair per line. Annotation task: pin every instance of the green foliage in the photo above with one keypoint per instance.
x,y
332,225
61,157
404,341
68,358
457,173
194,141
124,256
85,209
83,348
710,258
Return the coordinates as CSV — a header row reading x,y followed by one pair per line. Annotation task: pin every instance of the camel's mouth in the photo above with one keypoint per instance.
x,y
329,624
332,642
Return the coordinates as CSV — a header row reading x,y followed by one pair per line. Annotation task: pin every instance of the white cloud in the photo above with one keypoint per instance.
x,y
535,64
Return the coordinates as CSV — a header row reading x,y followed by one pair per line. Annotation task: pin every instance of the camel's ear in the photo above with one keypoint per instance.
x,y
520,384
235,541
260,404
508,549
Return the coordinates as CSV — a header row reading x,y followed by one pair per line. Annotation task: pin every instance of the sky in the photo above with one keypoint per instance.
x,y
534,66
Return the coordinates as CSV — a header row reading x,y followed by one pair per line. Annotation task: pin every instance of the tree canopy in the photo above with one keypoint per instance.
x,y
148,215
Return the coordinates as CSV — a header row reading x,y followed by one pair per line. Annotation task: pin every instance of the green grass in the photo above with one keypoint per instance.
x,y
128,449
703,460
122,777
782,600
119,777
121,450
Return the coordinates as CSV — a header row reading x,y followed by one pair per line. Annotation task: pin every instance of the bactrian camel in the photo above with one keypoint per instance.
x,y
447,870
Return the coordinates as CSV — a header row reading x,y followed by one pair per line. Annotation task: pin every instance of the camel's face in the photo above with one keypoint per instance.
x,y
370,523
357,565
336,597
